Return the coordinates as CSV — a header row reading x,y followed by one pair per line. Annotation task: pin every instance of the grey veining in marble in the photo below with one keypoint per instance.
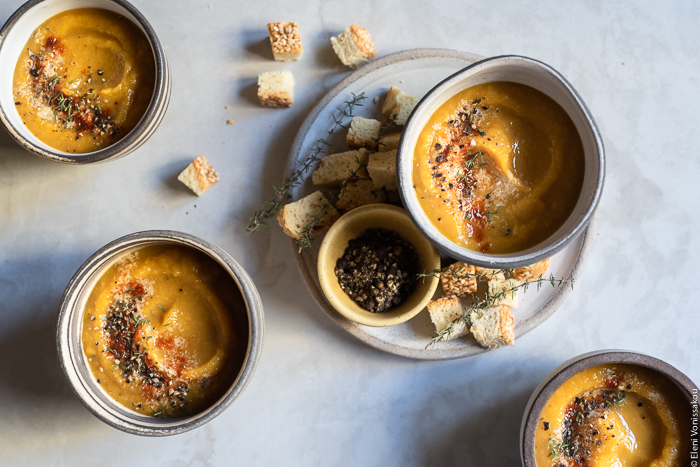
x,y
319,397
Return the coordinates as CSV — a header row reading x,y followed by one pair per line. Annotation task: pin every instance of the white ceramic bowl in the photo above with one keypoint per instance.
x,y
72,357
14,36
566,370
537,75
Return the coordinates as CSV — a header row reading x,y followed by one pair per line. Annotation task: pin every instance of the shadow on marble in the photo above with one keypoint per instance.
x,y
325,55
256,43
11,152
489,436
248,90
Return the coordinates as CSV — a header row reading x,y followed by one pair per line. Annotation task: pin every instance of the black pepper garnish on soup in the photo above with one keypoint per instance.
x,y
378,270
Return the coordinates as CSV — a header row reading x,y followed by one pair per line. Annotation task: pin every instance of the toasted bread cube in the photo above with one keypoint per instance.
x,y
294,218
363,132
498,284
356,193
199,176
445,310
354,46
532,272
390,141
276,89
459,280
382,169
285,41
493,327
336,168
398,105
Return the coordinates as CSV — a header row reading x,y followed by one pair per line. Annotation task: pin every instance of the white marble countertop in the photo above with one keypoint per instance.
x,y
319,397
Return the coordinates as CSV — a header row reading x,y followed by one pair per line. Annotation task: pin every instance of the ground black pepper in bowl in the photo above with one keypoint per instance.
x,y
378,270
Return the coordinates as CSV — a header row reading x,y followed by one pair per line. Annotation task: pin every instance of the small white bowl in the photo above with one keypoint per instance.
x,y
72,357
516,69
13,37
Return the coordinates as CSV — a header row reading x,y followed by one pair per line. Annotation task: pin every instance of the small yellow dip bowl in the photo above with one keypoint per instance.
x,y
351,226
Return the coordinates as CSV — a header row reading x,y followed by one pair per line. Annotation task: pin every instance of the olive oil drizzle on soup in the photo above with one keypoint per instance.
x,y
498,168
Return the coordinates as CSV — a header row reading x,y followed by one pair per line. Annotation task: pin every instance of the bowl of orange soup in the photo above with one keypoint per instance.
x,y
501,164
159,332
610,408
84,81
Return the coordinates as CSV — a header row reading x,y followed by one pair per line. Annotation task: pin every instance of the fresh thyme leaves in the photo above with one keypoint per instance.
x,y
269,208
490,213
304,240
159,413
471,161
490,300
161,308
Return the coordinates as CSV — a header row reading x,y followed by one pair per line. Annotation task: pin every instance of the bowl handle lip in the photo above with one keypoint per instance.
x,y
454,250
160,100
255,339
561,374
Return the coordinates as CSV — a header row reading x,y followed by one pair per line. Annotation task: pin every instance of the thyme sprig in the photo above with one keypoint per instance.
x,y
491,300
479,276
269,208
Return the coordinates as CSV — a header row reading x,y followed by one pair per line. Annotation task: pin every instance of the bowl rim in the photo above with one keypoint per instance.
x,y
156,108
405,157
365,317
68,313
575,365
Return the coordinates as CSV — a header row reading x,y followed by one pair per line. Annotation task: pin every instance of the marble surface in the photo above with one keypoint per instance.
x,y
319,397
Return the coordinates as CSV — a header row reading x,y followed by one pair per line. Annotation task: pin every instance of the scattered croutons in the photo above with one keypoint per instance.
x,y
445,310
532,272
459,280
199,176
336,168
363,132
493,327
398,105
390,141
229,122
315,209
356,193
285,41
276,89
354,46
382,170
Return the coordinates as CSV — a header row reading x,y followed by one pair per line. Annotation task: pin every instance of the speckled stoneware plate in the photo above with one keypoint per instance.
x,y
416,72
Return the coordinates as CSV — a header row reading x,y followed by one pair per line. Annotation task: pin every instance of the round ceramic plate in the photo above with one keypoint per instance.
x,y
416,72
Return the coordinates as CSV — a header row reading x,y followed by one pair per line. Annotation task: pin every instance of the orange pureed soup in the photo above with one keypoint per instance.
x,y
498,168
84,80
614,415
165,331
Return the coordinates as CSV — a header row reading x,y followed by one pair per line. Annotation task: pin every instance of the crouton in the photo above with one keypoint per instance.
x,y
294,218
276,89
199,176
335,168
357,193
493,327
532,272
398,105
498,284
459,280
390,141
382,169
285,41
445,310
354,46
363,132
